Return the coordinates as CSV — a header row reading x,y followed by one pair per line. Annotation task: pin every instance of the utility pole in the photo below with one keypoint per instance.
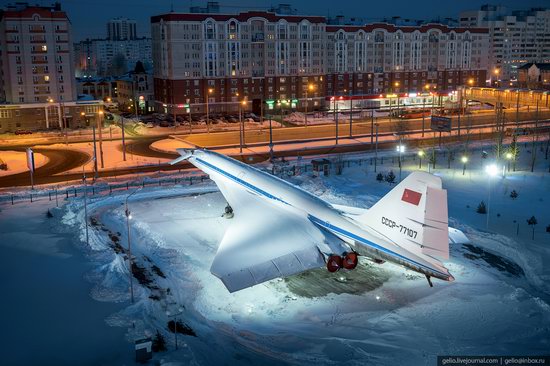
x,y
371,127
95,154
123,140
336,111
423,115
100,126
270,141
376,149
350,115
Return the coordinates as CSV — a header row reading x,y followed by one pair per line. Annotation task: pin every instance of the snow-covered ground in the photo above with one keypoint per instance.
x,y
16,161
376,314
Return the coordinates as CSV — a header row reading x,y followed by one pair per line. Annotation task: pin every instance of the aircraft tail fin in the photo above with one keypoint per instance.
x,y
413,215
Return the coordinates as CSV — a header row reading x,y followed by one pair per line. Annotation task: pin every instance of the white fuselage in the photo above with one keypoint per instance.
x,y
359,236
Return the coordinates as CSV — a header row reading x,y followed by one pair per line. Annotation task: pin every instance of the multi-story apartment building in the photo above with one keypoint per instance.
x,y
104,57
253,55
515,37
379,58
36,55
121,29
263,56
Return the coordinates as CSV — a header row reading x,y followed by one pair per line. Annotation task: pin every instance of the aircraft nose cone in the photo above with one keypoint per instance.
x,y
451,278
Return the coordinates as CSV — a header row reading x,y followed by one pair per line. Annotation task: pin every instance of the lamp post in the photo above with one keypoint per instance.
x,y
400,150
85,200
310,87
420,155
270,141
427,87
208,92
376,147
492,171
496,71
241,125
100,126
351,114
175,315
464,160
509,157
128,217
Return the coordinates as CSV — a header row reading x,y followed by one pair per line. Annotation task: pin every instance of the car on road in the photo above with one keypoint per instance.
x,y
23,132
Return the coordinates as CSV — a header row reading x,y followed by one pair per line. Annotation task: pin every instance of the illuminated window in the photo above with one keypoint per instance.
x,y
46,78
44,48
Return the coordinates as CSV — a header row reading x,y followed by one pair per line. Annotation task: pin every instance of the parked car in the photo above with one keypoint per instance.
x,y
23,132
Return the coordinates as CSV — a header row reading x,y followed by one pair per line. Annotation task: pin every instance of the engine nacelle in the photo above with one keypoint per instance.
x,y
350,260
334,263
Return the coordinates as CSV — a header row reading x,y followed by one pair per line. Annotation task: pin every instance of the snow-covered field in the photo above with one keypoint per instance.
x,y
16,161
376,314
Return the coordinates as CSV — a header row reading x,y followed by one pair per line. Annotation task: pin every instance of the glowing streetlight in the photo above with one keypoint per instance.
x,y
209,91
420,156
309,88
400,150
464,160
491,170
509,157
470,81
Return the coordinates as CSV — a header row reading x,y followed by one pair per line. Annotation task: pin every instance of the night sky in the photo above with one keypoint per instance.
x,y
89,16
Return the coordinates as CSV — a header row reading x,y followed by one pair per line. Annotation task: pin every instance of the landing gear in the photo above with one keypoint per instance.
x,y
429,281
348,261
228,214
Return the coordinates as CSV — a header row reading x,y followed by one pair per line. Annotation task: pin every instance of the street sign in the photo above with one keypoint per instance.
x,y
30,159
441,124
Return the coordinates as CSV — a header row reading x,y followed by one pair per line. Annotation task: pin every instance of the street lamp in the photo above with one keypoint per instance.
x,y
175,315
128,218
400,150
496,71
310,87
420,155
210,91
492,171
464,160
241,125
509,157
86,199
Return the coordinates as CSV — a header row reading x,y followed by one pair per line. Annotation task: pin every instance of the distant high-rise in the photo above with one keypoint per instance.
x,y
121,29
35,54
516,37
115,55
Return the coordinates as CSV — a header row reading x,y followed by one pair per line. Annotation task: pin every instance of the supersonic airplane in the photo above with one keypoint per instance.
x,y
279,229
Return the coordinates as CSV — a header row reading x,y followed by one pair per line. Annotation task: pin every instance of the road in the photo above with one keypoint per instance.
x,y
231,138
42,177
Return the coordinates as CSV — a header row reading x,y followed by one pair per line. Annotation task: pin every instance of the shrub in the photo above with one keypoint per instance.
x,y
390,178
380,177
159,344
514,194
481,208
